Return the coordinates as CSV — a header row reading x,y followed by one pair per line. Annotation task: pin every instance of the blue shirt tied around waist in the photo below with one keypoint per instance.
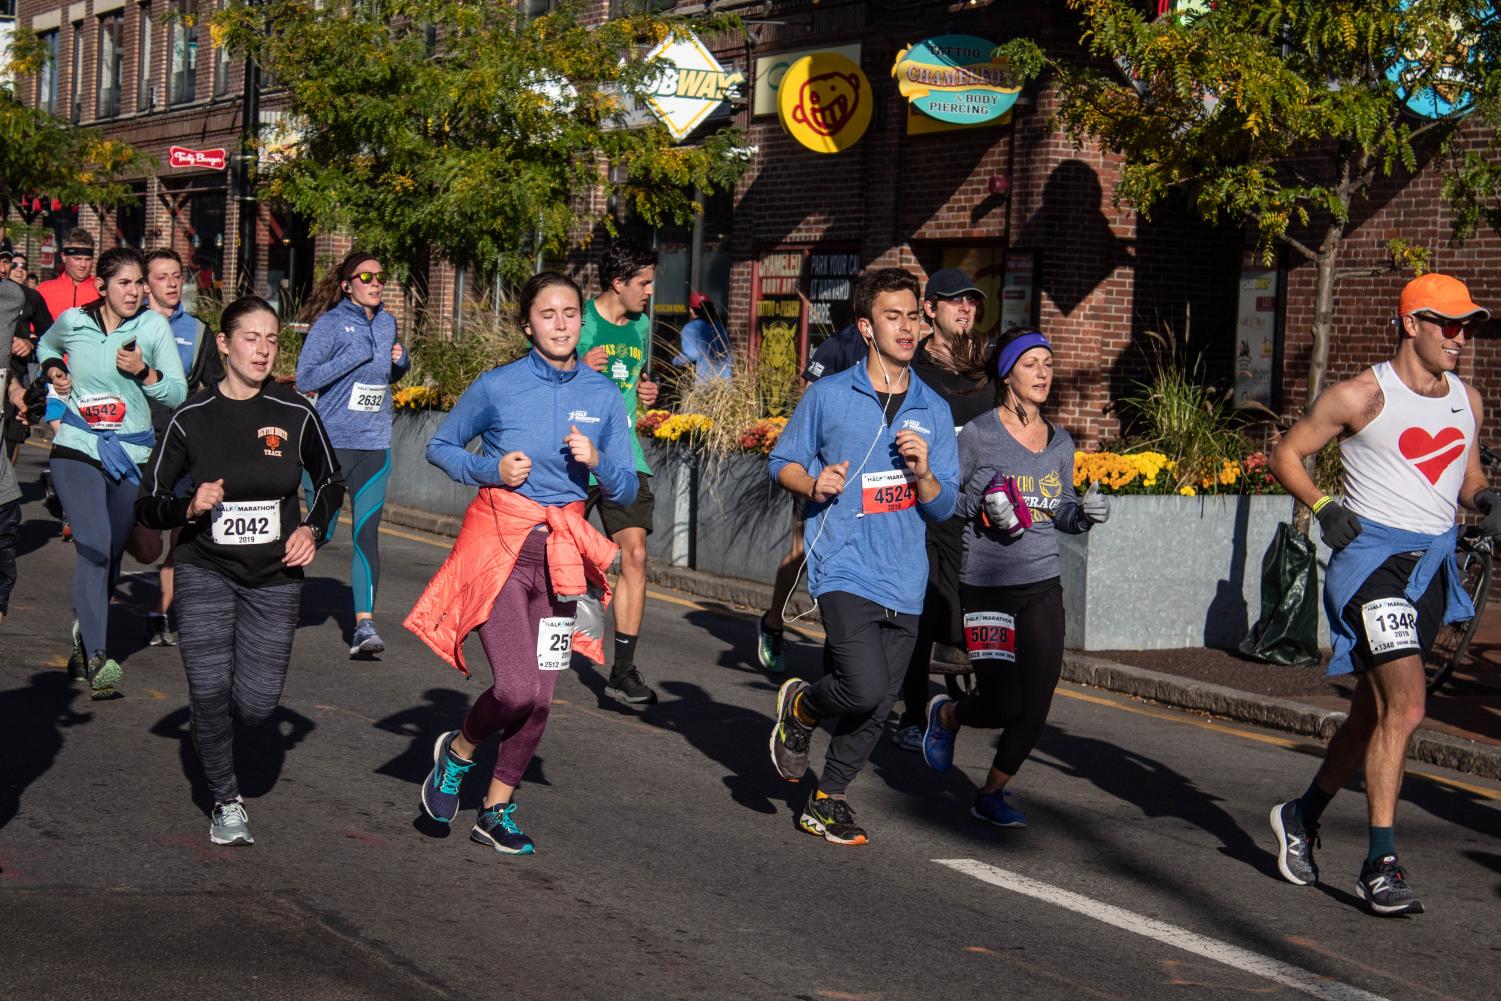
x,y
116,461
1353,565
529,406
880,557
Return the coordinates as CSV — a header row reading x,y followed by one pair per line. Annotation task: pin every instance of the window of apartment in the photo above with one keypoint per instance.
x,y
536,8
75,78
622,8
143,63
46,81
111,64
182,70
221,71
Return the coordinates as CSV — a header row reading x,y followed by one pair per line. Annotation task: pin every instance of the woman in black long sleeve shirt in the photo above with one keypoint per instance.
x,y
243,444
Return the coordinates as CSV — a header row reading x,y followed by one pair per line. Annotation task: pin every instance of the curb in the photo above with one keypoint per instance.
x,y
1428,746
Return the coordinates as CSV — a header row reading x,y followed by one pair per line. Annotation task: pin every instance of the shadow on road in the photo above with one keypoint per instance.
x,y
422,725
260,751
325,598
31,736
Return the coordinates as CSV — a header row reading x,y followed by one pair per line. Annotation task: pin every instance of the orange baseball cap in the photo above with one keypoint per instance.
x,y
1441,295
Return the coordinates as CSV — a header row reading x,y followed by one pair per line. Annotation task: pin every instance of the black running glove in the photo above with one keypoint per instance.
x,y
1489,501
1338,525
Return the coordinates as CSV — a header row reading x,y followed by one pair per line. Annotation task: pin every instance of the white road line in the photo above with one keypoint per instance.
x,y
1209,948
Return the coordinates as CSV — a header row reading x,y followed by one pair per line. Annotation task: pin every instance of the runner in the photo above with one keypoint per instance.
x,y
525,556
118,356
1018,475
350,358
952,362
203,368
74,285
243,445
12,301
1408,429
616,340
834,355
878,427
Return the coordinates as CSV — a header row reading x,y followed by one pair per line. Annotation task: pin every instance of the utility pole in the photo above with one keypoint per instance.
x,y
245,175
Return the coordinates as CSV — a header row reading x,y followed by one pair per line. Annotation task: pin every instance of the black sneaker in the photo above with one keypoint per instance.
x,y
1295,844
78,661
631,689
157,633
1384,888
790,736
833,820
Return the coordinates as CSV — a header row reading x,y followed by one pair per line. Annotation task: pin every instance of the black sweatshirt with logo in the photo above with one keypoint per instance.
x,y
259,447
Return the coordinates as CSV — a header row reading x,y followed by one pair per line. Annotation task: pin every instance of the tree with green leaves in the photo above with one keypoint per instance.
x,y
43,155
1284,115
468,129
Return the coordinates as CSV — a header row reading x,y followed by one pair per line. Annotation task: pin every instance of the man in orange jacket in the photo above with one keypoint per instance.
x,y
75,286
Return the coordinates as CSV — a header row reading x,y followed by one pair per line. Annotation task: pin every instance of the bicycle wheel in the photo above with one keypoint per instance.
x,y
1453,641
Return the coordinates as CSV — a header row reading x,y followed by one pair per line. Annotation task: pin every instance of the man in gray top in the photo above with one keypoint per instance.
x,y
11,301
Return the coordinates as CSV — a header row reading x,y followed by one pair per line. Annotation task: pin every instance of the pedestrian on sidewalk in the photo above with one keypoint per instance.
x,y
1408,432
953,362
106,360
12,392
527,570
877,427
616,340
1017,468
242,445
350,358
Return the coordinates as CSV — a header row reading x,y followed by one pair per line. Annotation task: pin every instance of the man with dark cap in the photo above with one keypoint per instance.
x,y
952,362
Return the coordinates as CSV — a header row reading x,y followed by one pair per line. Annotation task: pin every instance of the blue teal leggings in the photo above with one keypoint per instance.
x,y
365,472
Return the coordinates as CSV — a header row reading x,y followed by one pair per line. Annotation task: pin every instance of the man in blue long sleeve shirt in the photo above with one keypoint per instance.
x,y
872,450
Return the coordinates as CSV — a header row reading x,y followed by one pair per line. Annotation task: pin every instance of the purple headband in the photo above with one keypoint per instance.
x,y
1013,351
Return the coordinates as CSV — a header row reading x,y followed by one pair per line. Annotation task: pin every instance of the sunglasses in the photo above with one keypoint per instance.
x,y
77,252
1450,327
370,277
966,299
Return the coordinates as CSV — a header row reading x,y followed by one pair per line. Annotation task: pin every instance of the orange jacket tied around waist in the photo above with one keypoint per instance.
x,y
459,597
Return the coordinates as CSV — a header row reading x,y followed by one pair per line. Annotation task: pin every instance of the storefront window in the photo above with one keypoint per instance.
x,y
130,220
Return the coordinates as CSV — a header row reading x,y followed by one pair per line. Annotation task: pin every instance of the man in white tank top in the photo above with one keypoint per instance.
x,y
1408,431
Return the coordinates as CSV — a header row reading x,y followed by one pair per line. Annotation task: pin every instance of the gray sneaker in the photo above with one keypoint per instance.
x,y
157,633
229,825
78,661
366,641
1295,844
790,736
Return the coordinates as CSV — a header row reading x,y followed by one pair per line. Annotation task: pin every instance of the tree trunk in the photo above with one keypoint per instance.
x,y
1318,361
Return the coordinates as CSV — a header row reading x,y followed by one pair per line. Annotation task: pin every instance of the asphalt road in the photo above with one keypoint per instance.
x,y
669,865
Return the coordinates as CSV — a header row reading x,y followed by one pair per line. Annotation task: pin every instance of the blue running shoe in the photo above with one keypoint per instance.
x,y
937,741
495,826
366,642
440,790
994,809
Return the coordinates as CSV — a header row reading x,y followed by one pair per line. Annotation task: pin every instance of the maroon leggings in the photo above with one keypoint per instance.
x,y
518,706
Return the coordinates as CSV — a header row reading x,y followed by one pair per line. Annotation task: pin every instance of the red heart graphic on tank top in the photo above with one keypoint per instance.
x,y
1416,442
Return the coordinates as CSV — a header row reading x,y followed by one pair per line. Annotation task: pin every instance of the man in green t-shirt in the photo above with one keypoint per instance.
x,y
616,340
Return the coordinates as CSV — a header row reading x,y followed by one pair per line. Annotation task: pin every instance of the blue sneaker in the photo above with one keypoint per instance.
x,y
996,810
497,828
440,790
937,742
366,642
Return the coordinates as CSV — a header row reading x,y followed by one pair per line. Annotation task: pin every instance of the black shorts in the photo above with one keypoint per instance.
x,y
614,517
1401,628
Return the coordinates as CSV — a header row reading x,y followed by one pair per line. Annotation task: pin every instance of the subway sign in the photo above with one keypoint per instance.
x,y
689,85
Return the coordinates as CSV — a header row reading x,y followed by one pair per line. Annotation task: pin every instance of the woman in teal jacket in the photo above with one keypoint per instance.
x,y
106,360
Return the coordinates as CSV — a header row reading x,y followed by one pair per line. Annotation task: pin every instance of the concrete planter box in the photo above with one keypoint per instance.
x,y
743,520
1170,572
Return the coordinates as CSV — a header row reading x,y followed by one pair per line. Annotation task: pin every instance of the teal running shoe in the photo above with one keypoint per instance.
x,y
229,824
769,647
440,790
496,826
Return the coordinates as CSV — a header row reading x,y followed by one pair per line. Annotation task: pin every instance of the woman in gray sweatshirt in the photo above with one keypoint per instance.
x,y
1016,469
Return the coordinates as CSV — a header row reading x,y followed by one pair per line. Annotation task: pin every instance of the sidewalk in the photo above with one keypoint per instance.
x,y
1462,732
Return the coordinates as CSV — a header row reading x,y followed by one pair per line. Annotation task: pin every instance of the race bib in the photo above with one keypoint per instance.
x,y
620,372
103,411
554,643
990,636
882,493
1390,624
368,397
246,523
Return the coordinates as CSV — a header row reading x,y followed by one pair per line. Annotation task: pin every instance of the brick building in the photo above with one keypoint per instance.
x,y
1011,201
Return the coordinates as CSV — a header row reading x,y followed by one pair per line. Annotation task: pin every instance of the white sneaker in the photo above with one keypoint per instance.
x,y
229,825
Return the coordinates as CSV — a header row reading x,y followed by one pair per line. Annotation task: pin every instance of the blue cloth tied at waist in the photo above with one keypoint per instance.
x,y
1353,565
116,461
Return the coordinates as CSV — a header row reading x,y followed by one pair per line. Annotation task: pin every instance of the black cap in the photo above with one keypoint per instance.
x,y
949,282
6,250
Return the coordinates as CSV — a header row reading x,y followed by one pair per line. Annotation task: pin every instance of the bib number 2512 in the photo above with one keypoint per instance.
x,y
554,643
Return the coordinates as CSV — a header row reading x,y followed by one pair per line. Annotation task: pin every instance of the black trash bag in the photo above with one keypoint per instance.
x,y
1287,632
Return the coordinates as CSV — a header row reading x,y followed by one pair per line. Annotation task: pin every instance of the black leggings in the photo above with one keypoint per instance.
x,y
1015,697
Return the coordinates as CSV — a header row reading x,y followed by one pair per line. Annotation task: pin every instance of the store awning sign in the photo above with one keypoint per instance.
x,y
183,158
824,102
955,78
690,85
1430,76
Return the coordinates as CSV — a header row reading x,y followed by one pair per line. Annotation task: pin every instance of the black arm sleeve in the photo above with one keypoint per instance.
x,y
156,506
323,469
